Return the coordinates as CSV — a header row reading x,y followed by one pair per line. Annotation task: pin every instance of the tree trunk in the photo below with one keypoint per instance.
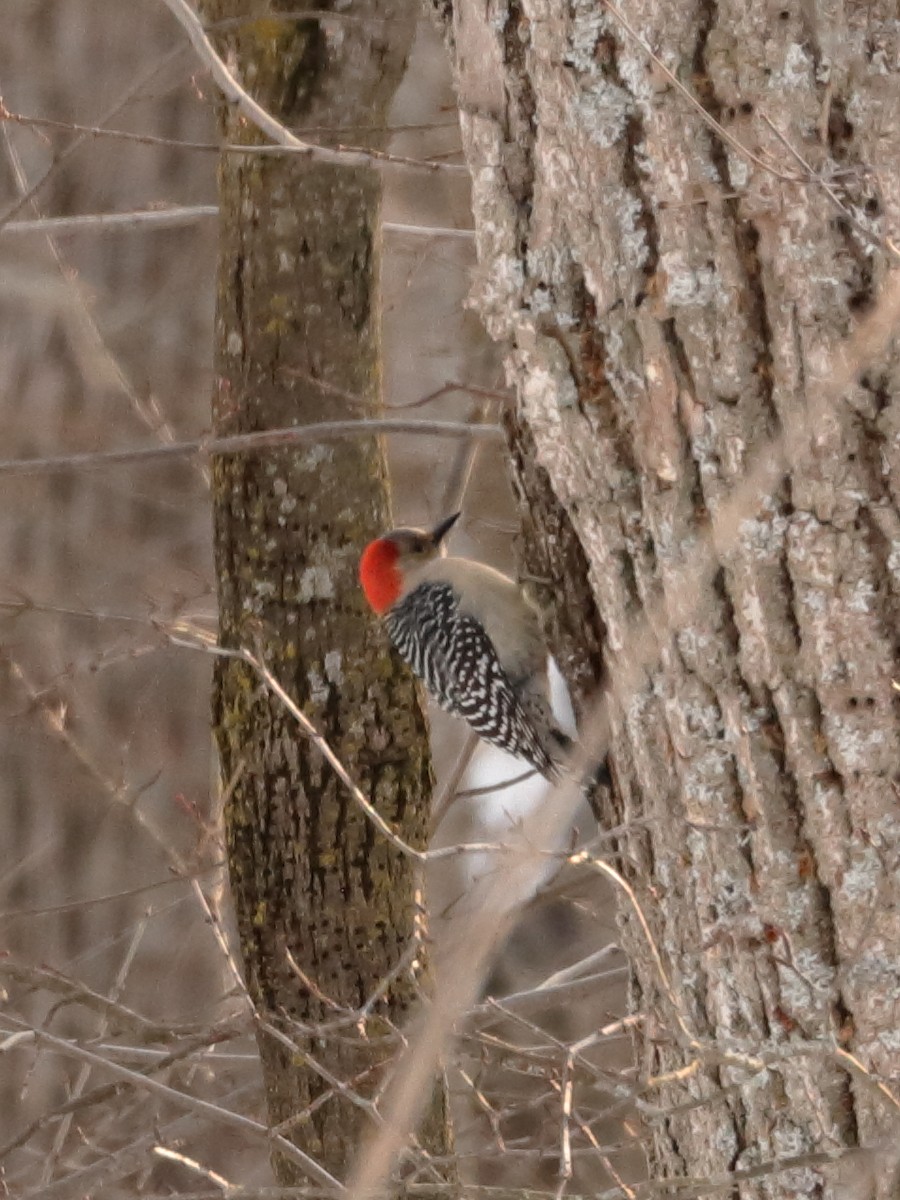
x,y
297,341
670,302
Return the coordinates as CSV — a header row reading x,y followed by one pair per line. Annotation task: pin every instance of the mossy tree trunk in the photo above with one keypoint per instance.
x,y
669,305
297,331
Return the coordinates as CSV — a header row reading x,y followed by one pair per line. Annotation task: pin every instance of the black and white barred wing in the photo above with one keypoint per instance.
x,y
459,666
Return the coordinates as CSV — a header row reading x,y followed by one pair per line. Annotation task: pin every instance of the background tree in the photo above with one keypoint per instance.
x,y
327,909
110,892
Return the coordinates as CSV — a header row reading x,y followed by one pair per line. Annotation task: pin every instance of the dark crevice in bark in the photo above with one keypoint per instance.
x,y
839,130
872,454
743,845
680,358
818,737
442,11
695,485
596,399
577,634
367,849
842,1016
738,1126
632,176
845,1105
300,82
636,844
648,555
727,624
707,11
882,551
628,577
237,289
675,1154
746,236
520,116
789,612
744,231
878,388
861,283
728,630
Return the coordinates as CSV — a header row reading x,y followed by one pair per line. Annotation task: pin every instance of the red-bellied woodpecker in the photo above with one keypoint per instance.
x,y
472,637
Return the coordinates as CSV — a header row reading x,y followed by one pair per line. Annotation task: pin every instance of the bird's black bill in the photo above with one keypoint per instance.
x,y
440,531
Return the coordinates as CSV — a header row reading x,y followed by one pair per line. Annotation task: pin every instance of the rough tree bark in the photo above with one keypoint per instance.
x,y
298,333
668,302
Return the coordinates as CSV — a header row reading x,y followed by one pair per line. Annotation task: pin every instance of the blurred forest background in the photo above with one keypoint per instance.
x,y
690,258
110,882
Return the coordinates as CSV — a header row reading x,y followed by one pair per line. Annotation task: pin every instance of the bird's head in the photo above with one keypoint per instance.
x,y
389,564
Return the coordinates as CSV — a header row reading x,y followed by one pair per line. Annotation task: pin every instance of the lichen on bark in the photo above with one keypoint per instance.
x,y
298,341
669,304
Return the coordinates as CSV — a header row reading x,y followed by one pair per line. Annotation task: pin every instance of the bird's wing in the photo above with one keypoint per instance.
x,y
459,666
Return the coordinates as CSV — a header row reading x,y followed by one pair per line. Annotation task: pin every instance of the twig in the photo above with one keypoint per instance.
x,y
9,914
72,991
194,1166
706,116
59,158
324,431
451,386
817,178
855,1067
180,215
448,794
148,410
84,1074
463,467
152,218
268,124
181,634
152,139
565,1150
597,864
222,1115
490,789
545,993
160,1060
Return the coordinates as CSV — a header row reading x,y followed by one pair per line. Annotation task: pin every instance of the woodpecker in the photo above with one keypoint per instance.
x,y
471,635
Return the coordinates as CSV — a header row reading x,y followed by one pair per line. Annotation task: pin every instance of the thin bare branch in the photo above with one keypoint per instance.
x,y
223,1116
150,139
448,794
151,218
177,217
452,386
13,209
72,991
268,124
87,328
9,914
324,431
195,1167
159,1061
